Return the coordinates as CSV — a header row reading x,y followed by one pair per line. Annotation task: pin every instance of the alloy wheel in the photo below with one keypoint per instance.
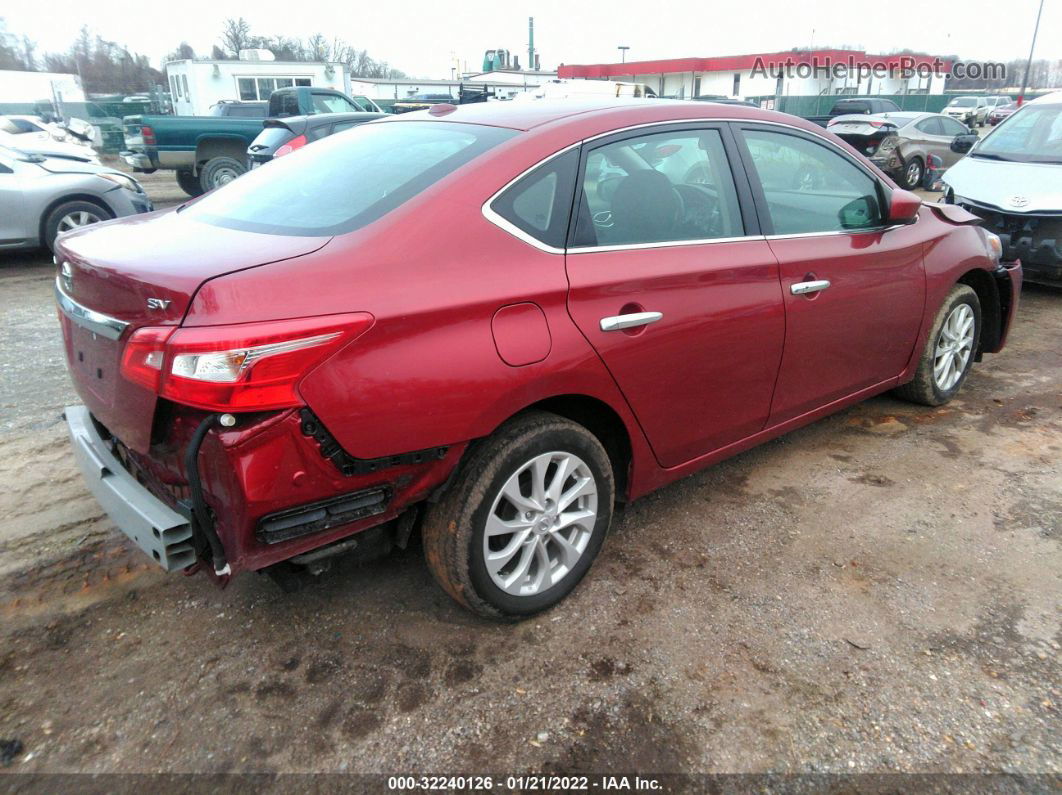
x,y
914,173
540,523
954,347
77,219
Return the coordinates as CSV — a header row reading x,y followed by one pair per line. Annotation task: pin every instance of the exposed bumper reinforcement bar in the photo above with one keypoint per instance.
x,y
163,533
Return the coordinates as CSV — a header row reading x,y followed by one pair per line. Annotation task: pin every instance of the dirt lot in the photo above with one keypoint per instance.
x,y
877,592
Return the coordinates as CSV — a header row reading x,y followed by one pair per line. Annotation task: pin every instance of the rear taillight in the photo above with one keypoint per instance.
x,y
297,142
147,135
247,367
143,356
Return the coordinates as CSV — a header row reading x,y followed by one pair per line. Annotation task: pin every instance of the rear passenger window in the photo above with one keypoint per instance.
x,y
930,126
540,203
658,188
811,188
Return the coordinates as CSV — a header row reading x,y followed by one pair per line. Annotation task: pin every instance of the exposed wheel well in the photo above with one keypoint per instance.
x,y
603,422
219,147
991,310
73,197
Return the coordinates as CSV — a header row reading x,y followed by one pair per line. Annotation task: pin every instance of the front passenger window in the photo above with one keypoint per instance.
x,y
810,188
658,188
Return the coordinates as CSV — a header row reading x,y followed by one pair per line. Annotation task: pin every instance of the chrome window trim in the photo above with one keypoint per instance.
x,y
96,322
515,231
508,226
868,230
663,244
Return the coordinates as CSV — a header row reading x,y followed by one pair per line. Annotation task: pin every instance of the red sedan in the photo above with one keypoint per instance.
x,y
490,324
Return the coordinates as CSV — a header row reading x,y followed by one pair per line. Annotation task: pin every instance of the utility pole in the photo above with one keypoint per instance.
x,y
531,43
1028,64
623,52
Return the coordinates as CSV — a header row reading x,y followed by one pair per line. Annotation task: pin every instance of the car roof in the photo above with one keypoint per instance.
x,y
1054,98
317,119
592,111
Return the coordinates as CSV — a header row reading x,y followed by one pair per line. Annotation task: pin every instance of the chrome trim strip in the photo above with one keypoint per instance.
x,y
664,244
512,229
867,231
96,322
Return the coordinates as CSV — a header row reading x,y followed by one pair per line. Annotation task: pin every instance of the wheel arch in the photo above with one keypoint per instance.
x,y
991,308
72,197
219,146
602,421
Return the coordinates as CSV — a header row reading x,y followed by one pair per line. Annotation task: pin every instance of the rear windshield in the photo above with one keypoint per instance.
x,y
272,137
851,106
347,180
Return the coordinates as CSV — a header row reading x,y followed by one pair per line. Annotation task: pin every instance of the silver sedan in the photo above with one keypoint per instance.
x,y
42,197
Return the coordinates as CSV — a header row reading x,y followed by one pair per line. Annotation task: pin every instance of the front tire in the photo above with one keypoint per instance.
x,y
220,171
950,350
72,215
524,518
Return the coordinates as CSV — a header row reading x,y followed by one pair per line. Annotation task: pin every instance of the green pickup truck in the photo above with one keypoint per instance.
x,y
208,151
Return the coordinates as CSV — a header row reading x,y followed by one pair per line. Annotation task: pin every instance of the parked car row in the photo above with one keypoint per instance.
x,y
209,151
973,111
324,355
1012,180
902,143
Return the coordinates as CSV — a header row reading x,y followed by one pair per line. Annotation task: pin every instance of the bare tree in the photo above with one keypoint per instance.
x,y
236,35
318,48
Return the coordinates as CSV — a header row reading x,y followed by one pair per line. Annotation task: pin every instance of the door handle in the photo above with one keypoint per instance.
x,y
804,288
633,320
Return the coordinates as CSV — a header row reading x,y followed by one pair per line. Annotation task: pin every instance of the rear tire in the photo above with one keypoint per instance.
x,y
913,172
220,171
189,183
950,350
502,546
72,215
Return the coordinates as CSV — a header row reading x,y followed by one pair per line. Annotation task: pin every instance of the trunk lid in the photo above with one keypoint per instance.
x,y
110,284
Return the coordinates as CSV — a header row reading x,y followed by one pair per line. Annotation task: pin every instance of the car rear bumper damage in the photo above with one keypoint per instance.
x,y
163,533
268,490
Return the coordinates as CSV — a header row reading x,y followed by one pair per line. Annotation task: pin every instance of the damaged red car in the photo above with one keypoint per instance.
x,y
490,325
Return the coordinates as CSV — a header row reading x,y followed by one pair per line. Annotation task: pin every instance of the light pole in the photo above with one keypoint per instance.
x,y
1028,64
623,52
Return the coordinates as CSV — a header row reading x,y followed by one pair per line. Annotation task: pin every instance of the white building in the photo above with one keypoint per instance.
x,y
504,84
197,85
27,88
806,73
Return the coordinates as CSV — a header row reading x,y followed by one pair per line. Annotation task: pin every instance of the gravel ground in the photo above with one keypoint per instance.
x,y
878,592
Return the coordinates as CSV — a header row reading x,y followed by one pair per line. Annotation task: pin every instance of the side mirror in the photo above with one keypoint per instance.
x,y
859,213
903,207
963,142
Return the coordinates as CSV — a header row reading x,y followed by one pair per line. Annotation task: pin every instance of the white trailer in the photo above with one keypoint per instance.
x,y
195,86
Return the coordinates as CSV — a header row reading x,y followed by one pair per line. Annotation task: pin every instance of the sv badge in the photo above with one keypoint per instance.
x,y
158,303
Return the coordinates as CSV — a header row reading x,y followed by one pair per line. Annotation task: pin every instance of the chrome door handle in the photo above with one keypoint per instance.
x,y
803,288
633,320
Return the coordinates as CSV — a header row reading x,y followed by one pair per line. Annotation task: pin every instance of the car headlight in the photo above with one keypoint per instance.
x,y
122,180
993,245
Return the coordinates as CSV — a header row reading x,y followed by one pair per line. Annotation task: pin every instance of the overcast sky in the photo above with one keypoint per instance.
x,y
422,38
